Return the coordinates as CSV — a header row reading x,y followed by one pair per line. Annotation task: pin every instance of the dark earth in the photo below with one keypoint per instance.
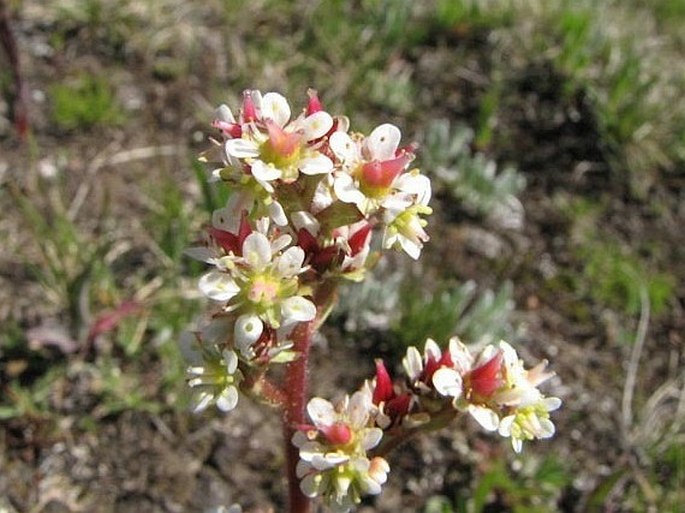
x,y
170,461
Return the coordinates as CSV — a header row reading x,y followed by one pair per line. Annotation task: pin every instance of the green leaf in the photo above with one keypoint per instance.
x,y
338,214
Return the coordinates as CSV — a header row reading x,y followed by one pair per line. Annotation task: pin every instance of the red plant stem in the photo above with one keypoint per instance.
x,y
296,388
296,385
9,44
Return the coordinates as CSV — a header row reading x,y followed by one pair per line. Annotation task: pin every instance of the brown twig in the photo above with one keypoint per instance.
x,y
9,44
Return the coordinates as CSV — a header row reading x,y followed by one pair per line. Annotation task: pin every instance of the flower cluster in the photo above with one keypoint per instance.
x,y
334,462
492,386
306,197
317,180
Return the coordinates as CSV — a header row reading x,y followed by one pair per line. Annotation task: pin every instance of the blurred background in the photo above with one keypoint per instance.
x,y
554,134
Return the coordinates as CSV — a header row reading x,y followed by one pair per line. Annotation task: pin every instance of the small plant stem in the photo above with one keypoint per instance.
x,y
437,422
296,386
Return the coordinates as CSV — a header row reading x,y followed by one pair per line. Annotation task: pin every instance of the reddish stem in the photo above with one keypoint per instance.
x,y
296,385
9,44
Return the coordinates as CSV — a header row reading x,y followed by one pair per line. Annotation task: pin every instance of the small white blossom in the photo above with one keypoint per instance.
x,y
215,379
333,455
261,285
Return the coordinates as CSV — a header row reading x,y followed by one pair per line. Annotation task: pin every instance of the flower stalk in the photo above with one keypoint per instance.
x,y
296,388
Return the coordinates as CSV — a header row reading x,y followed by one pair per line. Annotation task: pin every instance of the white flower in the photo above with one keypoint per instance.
x,y
529,422
215,379
261,285
438,370
333,456
277,149
369,167
402,211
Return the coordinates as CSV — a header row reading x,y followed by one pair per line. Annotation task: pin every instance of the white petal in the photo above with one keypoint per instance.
x,y
297,309
302,469
241,148
309,450
410,247
551,403
303,219
290,262
299,439
546,429
226,219
505,424
223,113
228,399
257,250
317,165
265,172
201,401
416,185
487,418
256,96
230,361
274,106
239,201
310,485
280,243
317,125
371,438
248,328
346,190
370,486
517,444
218,286
448,382
202,253
321,412
359,407
277,213
432,349
328,460
412,363
460,355
344,147
383,142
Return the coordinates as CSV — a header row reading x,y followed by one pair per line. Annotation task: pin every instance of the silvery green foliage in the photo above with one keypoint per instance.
x,y
471,177
390,300
372,303
479,317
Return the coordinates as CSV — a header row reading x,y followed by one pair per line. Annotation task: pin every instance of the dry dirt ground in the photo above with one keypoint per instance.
x,y
170,461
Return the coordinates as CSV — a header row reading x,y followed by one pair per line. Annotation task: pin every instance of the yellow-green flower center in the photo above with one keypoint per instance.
x,y
263,290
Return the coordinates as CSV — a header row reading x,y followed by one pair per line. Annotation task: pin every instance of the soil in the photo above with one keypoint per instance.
x,y
171,461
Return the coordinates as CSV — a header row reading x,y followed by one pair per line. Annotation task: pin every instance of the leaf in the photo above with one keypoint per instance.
x,y
338,214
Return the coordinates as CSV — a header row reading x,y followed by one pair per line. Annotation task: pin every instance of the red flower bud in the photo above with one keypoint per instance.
x,y
229,242
398,406
380,175
431,366
249,109
487,378
337,434
314,104
383,391
233,130
360,239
